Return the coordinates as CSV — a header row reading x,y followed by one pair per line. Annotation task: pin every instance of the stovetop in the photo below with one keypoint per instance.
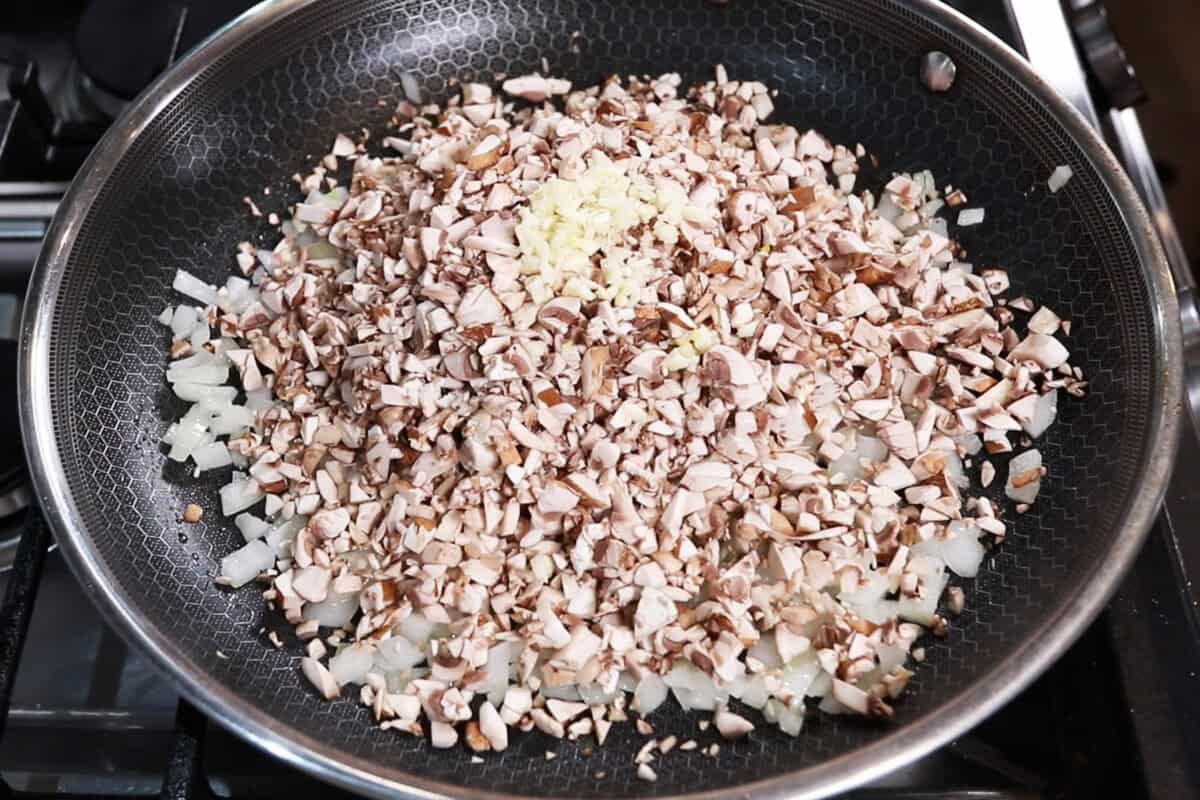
x,y
1117,716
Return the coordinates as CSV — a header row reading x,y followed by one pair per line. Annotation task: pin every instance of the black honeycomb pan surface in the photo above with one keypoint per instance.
x,y
847,67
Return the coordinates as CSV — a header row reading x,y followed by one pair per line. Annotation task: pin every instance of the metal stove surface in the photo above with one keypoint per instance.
x,y
1114,717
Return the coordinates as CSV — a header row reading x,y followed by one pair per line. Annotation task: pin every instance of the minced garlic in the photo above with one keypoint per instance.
x,y
568,222
688,349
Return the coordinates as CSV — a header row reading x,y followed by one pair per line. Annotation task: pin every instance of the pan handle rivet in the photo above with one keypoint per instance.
x,y
937,71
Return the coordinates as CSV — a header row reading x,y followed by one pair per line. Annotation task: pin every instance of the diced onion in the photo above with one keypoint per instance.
x,y
281,535
498,668
211,456
927,210
954,470
183,321
259,399
200,335
831,705
970,443
960,550
693,689
398,654
1030,459
921,610
924,178
238,294
231,419
868,600
790,718
412,90
568,692
211,374
849,464
191,433
244,564
650,693
750,689
821,684
1059,177
1044,413
224,345
890,656
417,628
239,495
765,652
334,611
200,358
771,710
970,216
252,527
398,681
351,664
872,449
188,284
203,392
595,695
887,208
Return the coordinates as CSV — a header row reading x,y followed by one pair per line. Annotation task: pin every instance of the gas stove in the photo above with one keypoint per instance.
x,y
81,715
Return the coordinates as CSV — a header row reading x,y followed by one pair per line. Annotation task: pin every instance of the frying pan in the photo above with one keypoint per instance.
x,y
257,102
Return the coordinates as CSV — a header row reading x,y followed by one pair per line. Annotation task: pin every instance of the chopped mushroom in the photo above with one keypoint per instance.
x,y
319,676
493,727
731,726
442,735
987,473
616,388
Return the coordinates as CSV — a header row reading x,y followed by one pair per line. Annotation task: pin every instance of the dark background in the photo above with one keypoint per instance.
x,y
1162,48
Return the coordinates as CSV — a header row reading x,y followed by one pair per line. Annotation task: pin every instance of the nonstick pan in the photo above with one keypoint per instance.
x,y
259,101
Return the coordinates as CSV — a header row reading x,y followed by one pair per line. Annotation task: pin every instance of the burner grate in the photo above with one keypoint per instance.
x,y
183,773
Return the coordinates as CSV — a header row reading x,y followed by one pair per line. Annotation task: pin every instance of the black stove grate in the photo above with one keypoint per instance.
x,y
183,773
18,605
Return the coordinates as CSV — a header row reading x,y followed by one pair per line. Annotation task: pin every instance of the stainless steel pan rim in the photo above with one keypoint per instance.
x,y
1006,679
